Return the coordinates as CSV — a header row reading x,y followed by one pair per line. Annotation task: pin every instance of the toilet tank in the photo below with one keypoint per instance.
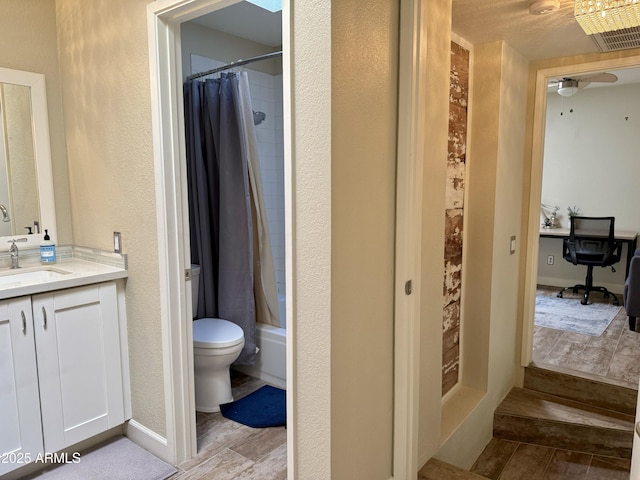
x,y
195,284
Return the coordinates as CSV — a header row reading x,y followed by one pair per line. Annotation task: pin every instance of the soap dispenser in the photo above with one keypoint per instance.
x,y
47,249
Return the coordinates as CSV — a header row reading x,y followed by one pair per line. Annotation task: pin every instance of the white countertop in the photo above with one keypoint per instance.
x,y
68,273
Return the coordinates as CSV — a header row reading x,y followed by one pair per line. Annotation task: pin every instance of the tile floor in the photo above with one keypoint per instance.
x,y
228,450
615,355
508,460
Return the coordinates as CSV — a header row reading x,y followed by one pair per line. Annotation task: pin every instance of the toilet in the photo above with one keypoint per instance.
x,y
217,343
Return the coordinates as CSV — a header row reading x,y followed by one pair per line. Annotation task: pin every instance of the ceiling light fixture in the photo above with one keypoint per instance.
x,y
567,88
543,7
599,16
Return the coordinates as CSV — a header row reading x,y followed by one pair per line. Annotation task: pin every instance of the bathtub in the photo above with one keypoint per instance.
x,y
270,363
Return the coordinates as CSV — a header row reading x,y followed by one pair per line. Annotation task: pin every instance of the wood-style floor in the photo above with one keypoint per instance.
x,y
228,450
614,356
508,460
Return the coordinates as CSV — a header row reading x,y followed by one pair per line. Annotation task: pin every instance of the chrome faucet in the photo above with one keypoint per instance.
x,y
13,250
5,214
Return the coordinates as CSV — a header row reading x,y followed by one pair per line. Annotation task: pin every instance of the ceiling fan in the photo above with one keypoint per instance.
x,y
569,86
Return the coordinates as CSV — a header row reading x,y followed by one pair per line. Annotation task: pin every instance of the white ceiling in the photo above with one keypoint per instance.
x,y
536,37
477,21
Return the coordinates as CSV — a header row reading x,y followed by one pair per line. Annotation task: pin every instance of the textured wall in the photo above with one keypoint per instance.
x,y
454,215
28,42
311,224
493,213
436,108
104,63
363,116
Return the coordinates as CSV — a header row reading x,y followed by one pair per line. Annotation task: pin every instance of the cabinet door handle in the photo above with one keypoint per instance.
x,y
44,318
24,322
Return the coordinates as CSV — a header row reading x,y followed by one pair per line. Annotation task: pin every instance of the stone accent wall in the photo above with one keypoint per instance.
x,y
458,96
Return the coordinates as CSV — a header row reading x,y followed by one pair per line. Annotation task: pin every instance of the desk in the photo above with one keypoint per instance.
x,y
624,236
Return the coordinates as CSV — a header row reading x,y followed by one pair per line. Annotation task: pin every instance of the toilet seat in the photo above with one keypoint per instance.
x,y
216,333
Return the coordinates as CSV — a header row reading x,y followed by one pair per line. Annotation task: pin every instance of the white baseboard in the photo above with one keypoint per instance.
x,y
148,439
554,282
257,373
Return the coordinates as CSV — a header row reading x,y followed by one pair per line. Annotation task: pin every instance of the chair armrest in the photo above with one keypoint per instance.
x,y
631,292
614,255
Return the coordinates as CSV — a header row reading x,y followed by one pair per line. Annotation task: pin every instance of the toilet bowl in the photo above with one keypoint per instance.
x,y
217,343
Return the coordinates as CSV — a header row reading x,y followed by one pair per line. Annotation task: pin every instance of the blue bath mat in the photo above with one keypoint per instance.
x,y
266,407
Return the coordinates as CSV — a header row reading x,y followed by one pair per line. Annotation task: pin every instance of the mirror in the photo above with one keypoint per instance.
x,y
26,184
18,186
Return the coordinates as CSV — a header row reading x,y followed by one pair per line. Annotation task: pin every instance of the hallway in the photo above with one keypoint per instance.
x,y
613,357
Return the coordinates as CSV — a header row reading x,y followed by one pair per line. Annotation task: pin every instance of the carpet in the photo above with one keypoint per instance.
x,y
118,459
570,315
266,407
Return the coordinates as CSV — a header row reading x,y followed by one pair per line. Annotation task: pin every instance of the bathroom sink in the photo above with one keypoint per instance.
x,y
28,276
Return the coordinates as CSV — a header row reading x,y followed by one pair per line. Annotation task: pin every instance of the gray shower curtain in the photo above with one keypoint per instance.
x,y
220,205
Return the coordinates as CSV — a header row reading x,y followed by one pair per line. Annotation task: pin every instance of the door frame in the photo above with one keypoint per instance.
x,y
532,223
164,18
409,186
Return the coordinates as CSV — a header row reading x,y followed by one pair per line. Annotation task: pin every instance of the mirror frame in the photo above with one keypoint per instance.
x,y
42,153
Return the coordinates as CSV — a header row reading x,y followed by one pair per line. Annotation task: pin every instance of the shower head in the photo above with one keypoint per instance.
x,y
258,117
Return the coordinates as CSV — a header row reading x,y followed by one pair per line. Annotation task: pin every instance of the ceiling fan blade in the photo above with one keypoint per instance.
x,y
604,77
583,83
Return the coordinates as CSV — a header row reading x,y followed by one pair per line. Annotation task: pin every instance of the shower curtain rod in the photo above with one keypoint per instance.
x,y
239,63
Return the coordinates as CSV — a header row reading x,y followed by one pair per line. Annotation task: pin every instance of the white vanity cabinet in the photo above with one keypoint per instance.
x,y
79,363
76,391
20,428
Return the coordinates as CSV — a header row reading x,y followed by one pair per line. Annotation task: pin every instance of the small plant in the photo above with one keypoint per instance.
x,y
575,211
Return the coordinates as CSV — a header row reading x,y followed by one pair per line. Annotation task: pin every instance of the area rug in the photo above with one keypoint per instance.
x,y
119,459
570,315
266,407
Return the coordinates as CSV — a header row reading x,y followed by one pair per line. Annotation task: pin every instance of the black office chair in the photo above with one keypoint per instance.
x,y
592,243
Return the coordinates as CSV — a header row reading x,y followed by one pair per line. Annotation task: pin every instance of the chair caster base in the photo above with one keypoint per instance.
x,y
587,292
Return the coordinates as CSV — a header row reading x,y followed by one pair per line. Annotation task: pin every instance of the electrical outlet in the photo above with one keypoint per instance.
x,y
550,260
